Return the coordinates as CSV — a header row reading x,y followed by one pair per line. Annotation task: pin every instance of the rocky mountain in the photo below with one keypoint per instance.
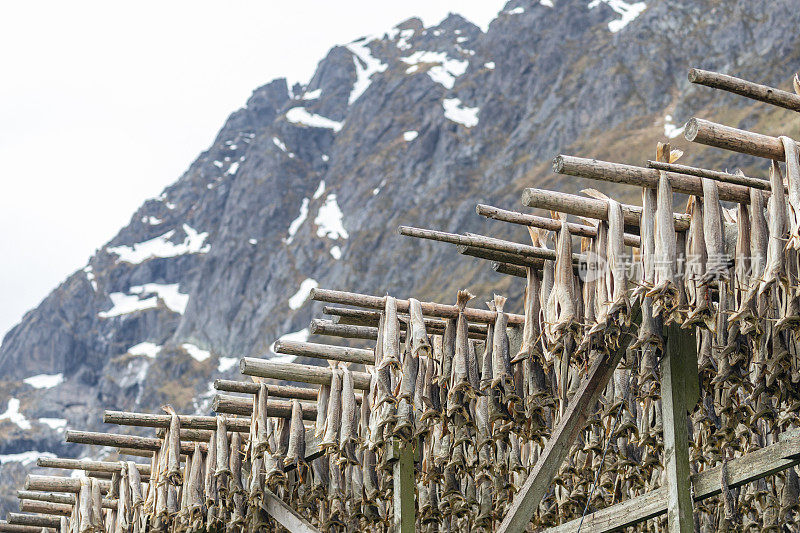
x,y
305,186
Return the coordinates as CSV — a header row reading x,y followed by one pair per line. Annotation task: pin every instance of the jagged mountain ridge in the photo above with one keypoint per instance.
x,y
206,271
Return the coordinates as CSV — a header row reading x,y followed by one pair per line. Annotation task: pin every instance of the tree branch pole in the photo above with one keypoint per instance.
x,y
318,375
733,139
5,527
643,177
38,520
748,89
67,499
582,206
122,441
278,391
124,418
47,508
89,466
326,351
503,257
320,326
59,484
243,405
551,224
363,317
510,270
716,175
428,308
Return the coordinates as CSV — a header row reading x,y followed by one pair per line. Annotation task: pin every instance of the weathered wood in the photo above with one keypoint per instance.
x,y
5,527
527,500
733,139
121,441
582,206
66,499
716,175
138,453
510,270
285,515
250,366
551,224
325,351
320,326
742,470
402,458
239,405
47,508
748,89
494,255
428,308
277,391
59,484
39,520
124,418
481,241
674,408
642,177
363,317
93,466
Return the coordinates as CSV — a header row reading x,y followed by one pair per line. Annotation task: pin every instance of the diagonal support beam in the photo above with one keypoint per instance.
x,y
572,422
285,515
742,470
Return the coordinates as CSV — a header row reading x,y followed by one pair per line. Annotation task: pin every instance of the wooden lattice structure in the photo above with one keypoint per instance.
x,y
653,381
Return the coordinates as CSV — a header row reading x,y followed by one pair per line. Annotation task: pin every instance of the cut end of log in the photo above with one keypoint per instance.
x,y
690,133
558,164
277,346
215,403
312,294
242,365
404,230
28,482
694,74
315,326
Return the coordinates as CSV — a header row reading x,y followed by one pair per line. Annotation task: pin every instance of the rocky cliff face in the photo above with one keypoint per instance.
x,y
306,185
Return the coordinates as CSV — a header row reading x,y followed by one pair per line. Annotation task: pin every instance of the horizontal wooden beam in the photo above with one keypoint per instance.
x,y
121,441
716,175
642,177
39,520
125,418
733,139
428,308
582,206
5,527
510,270
65,499
243,405
503,257
748,89
47,508
325,351
346,331
278,391
742,470
551,224
91,466
264,368
59,484
364,317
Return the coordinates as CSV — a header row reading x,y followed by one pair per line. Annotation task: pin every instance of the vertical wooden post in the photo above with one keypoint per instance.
x,y
403,480
680,347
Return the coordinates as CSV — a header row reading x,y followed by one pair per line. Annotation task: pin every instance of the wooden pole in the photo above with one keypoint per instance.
x,y
402,457
65,499
38,520
527,500
674,406
754,91
121,441
642,177
551,224
325,351
741,471
278,391
239,405
124,418
263,368
5,527
48,508
428,308
582,206
733,139
481,241
494,255
285,515
92,466
716,175
59,484
363,317
346,331
510,270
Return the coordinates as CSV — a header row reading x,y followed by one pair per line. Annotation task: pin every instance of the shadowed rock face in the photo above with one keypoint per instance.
x,y
312,182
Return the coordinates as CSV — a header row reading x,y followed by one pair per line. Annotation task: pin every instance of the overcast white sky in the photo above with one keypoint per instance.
x,y
103,104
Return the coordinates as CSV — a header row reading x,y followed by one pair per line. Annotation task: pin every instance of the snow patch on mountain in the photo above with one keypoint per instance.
x,y
466,116
162,246
301,117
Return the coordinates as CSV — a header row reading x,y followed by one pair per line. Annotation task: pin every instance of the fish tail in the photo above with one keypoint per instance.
x,y
499,302
462,298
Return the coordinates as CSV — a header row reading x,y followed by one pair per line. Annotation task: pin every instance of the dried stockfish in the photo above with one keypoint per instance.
x,y
561,328
460,382
420,345
698,290
330,437
348,437
774,269
173,435
530,330
665,292
391,336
